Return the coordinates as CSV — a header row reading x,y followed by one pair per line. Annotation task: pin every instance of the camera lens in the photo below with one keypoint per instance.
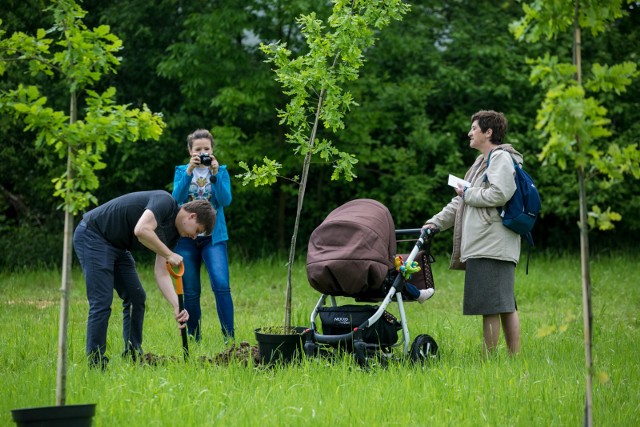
x,y
205,159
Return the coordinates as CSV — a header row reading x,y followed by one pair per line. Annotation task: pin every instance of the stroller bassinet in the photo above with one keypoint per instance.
x,y
351,254
352,251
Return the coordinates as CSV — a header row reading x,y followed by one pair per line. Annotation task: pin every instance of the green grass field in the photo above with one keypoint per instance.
x,y
543,386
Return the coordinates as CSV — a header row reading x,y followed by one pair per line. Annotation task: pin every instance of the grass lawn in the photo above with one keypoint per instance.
x,y
543,386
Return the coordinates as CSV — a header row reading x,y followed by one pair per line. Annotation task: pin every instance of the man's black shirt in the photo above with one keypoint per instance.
x,y
116,219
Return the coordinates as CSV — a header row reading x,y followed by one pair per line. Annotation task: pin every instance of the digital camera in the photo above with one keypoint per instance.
x,y
205,159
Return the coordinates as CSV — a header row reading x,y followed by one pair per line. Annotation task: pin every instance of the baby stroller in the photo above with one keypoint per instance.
x,y
352,254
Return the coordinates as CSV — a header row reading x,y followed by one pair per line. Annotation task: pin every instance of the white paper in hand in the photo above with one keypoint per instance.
x,y
454,181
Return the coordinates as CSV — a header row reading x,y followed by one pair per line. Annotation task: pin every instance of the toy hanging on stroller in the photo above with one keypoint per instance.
x,y
352,254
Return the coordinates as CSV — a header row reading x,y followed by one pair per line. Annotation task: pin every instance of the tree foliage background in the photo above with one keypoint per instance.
x,y
199,63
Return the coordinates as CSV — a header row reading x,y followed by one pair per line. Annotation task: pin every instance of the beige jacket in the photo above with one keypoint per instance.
x,y
477,226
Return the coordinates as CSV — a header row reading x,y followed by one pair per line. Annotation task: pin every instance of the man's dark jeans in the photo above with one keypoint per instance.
x,y
107,268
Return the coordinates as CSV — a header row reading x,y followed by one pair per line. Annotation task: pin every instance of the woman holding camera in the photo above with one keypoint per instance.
x,y
204,179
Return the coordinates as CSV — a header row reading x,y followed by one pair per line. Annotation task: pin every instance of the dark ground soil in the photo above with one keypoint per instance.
x,y
242,352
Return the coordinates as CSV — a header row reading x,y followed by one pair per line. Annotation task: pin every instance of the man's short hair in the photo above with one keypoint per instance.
x,y
205,214
489,119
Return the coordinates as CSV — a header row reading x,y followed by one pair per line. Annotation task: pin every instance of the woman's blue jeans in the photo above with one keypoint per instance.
x,y
193,252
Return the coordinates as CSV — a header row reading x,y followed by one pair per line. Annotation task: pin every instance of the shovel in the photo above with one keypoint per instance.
x,y
180,292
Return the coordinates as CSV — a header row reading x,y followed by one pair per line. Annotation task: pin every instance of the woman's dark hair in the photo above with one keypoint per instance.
x,y
489,119
200,134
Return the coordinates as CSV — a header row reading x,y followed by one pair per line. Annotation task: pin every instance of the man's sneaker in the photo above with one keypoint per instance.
x,y
98,362
133,354
425,294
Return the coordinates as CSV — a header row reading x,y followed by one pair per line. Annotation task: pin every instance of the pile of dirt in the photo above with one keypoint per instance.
x,y
243,352
156,359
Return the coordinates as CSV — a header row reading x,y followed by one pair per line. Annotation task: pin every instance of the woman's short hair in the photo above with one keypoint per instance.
x,y
489,119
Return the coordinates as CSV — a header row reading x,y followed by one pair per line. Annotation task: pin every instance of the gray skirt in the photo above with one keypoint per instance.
x,y
488,287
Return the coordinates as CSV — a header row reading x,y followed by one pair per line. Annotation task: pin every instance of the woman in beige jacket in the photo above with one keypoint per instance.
x,y
482,246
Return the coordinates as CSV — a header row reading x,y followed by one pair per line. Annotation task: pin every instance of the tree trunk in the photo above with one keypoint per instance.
x,y
584,240
61,377
586,298
301,189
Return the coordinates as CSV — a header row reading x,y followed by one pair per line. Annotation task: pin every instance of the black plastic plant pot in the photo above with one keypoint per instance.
x,y
279,347
55,416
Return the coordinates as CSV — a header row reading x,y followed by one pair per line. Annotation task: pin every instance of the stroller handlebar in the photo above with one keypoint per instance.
x,y
410,231
417,232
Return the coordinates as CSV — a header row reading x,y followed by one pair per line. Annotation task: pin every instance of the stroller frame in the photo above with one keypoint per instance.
x,y
423,348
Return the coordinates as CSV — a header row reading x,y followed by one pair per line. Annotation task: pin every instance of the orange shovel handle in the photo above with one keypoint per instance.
x,y
177,276
172,271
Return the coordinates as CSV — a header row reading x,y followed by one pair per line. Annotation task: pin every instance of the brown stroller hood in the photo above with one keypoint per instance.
x,y
352,251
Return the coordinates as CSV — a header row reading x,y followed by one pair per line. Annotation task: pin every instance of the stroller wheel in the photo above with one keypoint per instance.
x,y
360,353
424,349
310,349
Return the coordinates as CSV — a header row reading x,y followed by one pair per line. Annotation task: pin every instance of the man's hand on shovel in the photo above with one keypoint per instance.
x,y
181,317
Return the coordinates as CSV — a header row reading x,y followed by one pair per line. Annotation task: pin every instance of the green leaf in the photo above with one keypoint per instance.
x,y
612,79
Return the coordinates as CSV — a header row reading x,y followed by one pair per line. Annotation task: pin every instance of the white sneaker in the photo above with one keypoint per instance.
x,y
425,294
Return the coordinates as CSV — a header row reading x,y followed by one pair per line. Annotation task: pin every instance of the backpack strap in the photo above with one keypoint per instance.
x,y
488,160
485,173
530,240
527,236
